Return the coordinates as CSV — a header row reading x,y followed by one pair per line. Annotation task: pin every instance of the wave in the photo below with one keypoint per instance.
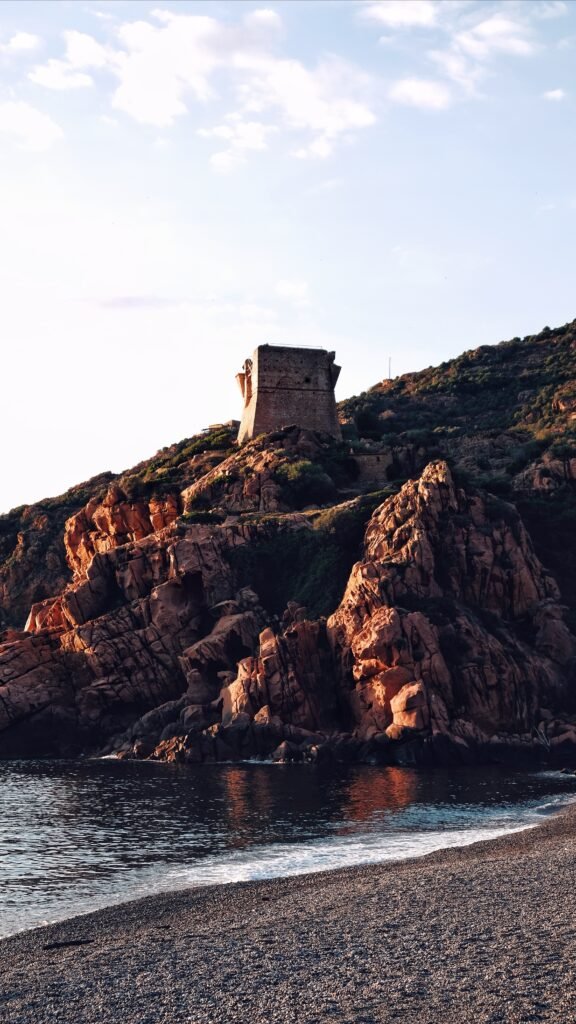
x,y
287,859
278,860
213,828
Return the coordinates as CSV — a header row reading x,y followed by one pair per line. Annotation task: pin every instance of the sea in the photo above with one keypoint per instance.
x,y
76,836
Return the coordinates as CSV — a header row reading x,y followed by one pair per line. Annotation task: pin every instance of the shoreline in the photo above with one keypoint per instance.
x,y
481,932
464,840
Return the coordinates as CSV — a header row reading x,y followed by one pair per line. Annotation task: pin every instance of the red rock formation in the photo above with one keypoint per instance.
x,y
450,625
449,642
114,521
249,480
246,485
109,647
290,679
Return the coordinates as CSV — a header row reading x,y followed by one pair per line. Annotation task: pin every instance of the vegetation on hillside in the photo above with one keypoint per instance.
x,y
178,465
310,566
492,410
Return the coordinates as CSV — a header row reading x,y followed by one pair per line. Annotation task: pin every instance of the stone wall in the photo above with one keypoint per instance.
x,y
373,468
282,386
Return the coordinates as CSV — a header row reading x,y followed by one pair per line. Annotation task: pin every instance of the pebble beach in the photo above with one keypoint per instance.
x,y
483,934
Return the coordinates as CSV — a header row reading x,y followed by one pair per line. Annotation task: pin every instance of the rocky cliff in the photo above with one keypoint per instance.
x,y
449,641
217,603
450,631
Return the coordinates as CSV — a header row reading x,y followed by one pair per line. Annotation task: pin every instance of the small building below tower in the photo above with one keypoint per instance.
x,y
282,386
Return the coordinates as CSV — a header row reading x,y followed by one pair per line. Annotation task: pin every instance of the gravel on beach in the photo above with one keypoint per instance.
x,y
484,934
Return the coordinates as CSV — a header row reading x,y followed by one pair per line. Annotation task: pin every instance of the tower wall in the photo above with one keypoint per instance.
x,y
284,386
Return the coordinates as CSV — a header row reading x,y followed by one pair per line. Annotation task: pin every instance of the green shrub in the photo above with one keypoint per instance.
x,y
305,483
200,516
564,449
496,483
293,566
500,511
339,465
551,523
308,566
368,423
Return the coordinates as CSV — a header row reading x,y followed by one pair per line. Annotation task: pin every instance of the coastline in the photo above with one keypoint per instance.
x,y
483,932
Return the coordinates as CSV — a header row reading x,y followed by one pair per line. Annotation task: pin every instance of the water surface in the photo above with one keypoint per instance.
x,y
75,836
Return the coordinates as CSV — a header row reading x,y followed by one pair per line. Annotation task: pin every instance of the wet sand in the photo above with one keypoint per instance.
x,y
484,934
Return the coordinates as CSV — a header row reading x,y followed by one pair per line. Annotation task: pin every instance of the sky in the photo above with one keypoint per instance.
x,y
182,181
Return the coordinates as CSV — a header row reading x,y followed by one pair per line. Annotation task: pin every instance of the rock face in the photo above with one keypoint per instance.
x,y
450,628
252,480
548,475
449,642
247,486
33,562
103,525
123,639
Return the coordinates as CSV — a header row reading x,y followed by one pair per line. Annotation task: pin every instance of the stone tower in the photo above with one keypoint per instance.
x,y
282,386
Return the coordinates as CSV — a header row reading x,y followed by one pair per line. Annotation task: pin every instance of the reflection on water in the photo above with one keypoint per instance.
x,y
367,796
78,835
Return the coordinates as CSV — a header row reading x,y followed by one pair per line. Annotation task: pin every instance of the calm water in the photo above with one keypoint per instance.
x,y
79,835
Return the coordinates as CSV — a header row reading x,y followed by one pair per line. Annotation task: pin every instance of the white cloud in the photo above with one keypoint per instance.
x,y
21,42
102,15
458,68
470,51
82,52
420,92
264,17
402,13
319,149
159,66
57,74
293,291
241,137
244,134
165,64
554,95
226,160
475,33
496,34
29,127
327,101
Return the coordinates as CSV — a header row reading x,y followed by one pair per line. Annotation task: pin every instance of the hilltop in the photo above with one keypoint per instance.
x,y
504,413
405,593
504,416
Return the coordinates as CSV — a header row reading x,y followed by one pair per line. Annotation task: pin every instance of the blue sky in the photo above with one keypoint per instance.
x,y
180,182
